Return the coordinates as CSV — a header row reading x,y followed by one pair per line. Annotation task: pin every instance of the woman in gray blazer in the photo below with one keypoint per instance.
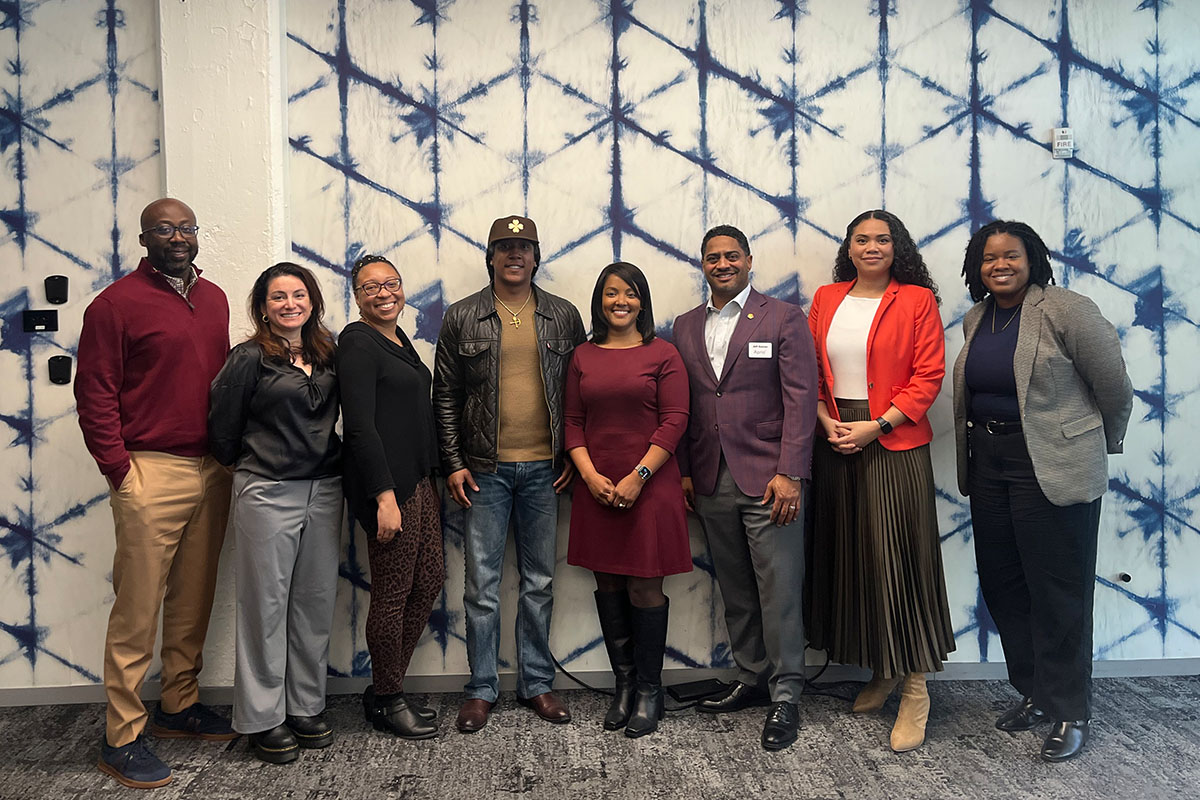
x,y
1041,395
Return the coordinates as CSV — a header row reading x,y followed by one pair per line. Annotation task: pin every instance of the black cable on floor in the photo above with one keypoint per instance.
x,y
810,684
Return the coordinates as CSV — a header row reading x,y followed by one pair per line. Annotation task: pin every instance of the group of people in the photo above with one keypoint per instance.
x,y
752,413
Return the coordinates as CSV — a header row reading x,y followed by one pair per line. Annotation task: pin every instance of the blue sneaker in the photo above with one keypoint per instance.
x,y
134,765
195,722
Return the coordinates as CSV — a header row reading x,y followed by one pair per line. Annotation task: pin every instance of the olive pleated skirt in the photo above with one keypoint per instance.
x,y
876,593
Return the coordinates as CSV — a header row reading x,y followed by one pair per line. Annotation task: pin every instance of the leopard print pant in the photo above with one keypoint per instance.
x,y
406,578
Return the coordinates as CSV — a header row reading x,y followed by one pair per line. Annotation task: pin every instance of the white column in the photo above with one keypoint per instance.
x,y
224,107
224,142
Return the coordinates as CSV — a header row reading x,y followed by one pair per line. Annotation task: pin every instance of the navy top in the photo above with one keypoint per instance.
x,y
989,369
267,417
387,418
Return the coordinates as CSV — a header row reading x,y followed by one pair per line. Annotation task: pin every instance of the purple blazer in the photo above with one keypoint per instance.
x,y
762,412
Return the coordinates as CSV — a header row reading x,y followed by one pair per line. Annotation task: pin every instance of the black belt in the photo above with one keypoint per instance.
x,y
998,427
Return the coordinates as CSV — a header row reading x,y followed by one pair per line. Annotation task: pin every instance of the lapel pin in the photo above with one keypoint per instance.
x,y
750,315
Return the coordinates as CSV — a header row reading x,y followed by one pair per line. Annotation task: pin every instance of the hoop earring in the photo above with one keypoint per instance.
x,y
264,319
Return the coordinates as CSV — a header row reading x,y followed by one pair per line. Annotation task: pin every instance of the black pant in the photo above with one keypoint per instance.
x,y
1037,570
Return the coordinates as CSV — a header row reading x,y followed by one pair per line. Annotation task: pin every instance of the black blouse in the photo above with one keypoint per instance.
x,y
989,368
387,418
267,417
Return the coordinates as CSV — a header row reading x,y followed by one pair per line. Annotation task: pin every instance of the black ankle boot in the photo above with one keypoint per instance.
x,y
392,713
616,623
649,644
368,698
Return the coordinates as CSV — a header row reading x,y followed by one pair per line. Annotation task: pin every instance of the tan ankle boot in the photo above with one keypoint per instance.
x,y
875,693
909,730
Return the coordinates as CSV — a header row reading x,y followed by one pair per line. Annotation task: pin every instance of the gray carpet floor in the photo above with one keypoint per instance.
x,y
1145,744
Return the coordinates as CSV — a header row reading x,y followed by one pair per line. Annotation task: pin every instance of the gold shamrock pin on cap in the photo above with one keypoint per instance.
x,y
513,227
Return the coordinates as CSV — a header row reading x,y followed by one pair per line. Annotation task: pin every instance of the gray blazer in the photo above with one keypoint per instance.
x,y
1072,388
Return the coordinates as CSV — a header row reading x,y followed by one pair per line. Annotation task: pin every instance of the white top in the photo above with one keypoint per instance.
x,y
718,328
846,346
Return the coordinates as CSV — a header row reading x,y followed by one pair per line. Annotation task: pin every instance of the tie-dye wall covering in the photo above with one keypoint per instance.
x,y
625,129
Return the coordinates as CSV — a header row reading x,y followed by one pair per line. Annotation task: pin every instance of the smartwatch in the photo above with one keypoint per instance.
x,y
884,425
643,472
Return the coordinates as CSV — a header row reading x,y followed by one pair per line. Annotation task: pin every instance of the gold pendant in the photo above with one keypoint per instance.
x,y
516,321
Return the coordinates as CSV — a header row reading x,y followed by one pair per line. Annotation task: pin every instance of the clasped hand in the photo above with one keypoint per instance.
x,y
848,438
621,495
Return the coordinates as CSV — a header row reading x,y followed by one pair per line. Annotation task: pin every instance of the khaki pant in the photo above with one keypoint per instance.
x,y
170,514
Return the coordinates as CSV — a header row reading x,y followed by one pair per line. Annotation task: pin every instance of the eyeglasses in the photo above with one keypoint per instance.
x,y
167,231
370,289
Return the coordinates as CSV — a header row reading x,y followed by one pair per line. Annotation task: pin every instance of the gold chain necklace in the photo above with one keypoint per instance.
x,y
1005,325
516,318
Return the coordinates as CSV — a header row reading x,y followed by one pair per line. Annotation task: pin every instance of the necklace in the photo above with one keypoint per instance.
x,y
1013,316
516,315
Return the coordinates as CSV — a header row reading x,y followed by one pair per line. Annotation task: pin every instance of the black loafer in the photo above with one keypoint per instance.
x,y
738,696
781,727
310,732
276,746
1065,740
1023,716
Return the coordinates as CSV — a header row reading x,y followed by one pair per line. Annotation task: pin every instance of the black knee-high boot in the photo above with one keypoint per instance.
x,y
649,644
616,623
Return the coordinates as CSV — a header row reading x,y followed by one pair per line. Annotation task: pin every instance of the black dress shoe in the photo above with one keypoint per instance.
x,y
310,732
1023,716
781,727
276,746
1065,740
738,696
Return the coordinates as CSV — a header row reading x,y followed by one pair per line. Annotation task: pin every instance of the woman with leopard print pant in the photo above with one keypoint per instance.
x,y
391,449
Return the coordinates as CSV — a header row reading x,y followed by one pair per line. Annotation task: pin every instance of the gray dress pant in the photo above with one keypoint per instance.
x,y
287,548
760,569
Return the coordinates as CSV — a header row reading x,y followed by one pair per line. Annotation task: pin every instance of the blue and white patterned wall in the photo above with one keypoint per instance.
x,y
79,155
626,129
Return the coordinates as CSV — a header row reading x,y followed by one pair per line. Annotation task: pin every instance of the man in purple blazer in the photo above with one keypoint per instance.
x,y
745,461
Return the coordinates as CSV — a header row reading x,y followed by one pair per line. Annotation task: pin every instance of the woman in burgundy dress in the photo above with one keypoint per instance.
x,y
626,409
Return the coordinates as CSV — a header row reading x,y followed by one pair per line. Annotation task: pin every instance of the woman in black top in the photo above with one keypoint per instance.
x,y
272,415
390,437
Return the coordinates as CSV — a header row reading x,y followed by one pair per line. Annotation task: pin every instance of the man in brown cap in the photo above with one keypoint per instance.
x,y
499,377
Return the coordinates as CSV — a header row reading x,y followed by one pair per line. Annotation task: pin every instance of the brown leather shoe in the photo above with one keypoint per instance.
x,y
548,706
472,715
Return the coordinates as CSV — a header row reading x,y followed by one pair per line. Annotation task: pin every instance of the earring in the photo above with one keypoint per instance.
x,y
264,318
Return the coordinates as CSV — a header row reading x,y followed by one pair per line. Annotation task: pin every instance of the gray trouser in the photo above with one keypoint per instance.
x,y
286,555
760,569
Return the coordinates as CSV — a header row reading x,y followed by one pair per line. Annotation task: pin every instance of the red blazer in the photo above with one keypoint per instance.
x,y
906,356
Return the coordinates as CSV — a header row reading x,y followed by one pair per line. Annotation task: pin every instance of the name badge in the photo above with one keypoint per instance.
x,y
760,350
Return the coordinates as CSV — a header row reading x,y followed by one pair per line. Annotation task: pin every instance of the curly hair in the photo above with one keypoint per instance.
x,y
316,340
364,261
907,264
1035,251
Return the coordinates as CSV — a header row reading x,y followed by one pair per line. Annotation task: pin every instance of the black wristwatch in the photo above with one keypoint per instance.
x,y
884,425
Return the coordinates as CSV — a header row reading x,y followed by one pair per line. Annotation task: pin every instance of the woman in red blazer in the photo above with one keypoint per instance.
x,y
877,596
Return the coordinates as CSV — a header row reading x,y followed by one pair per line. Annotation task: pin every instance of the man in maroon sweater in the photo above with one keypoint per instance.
x,y
150,346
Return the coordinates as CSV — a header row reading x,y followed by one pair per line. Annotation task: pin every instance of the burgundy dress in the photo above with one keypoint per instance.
x,y
618,403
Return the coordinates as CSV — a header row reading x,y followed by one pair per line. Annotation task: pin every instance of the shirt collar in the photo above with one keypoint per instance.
x,y
181,285
740,299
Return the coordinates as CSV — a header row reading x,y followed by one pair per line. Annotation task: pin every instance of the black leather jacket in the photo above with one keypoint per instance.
x,y
466,379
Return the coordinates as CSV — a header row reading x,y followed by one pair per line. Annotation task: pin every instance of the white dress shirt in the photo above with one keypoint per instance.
x,y
718,328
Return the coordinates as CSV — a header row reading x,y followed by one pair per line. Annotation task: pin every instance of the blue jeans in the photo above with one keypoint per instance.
x,y
524,490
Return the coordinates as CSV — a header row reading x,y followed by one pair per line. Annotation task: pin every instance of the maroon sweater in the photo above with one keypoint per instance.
x,y
146,359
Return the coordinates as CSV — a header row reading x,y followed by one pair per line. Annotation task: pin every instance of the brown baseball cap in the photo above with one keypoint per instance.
x,y
513,227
